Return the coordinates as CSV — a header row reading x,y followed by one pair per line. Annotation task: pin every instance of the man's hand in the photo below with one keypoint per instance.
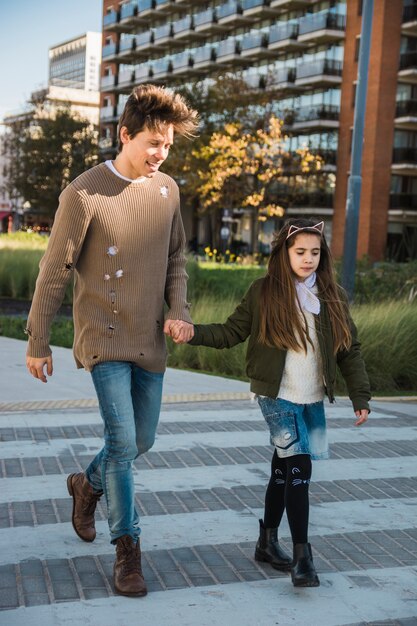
x,y
36,367
362,416
180,331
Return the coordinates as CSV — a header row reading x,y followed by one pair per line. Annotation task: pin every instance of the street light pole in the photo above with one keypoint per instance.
x,y
355,177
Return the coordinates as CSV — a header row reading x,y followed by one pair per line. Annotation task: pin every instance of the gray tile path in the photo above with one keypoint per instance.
x,y
200,492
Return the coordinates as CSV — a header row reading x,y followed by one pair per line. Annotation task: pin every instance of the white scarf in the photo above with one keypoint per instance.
x,y
306,296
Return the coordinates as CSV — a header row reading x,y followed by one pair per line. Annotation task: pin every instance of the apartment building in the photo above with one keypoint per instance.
x,y
306,53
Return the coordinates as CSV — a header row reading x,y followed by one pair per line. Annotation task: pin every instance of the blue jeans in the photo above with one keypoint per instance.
x,y
130,401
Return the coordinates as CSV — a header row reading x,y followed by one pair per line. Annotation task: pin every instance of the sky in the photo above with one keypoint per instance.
x,y
28,28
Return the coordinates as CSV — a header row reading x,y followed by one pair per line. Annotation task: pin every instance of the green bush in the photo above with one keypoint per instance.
x,y
386,332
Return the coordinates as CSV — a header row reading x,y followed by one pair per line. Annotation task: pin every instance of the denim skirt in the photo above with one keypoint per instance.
x,y
296,428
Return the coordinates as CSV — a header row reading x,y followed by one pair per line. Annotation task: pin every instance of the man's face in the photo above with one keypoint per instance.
x,y
143,154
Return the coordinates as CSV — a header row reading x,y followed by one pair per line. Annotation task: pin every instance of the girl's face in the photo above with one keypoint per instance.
x,y
304,254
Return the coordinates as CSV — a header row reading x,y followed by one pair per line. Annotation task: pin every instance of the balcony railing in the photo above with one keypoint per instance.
x,y
204,17
403,201
405,155
408,60
252,4
313,199
145,5
127,43
110,18
283,31
182,25
321,21
181,61
320,67
107,112
108,81
406,108
254,40
228,8
281,75
109,50
141,73
318,112
162,32
128,9
161,67
204,54
227,47
125,78
410,13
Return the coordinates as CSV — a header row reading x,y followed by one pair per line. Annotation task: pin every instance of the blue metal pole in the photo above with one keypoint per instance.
x,y
355,178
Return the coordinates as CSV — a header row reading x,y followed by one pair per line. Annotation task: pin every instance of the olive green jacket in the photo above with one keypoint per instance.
x,y
265,365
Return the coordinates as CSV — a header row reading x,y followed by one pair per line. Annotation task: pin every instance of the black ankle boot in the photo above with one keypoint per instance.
x,y
303,572
268,549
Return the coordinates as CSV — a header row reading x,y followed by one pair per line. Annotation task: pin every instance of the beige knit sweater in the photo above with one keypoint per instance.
x,y
124,242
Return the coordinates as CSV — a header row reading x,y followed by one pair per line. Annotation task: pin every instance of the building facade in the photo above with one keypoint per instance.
x,y
306,52
73,81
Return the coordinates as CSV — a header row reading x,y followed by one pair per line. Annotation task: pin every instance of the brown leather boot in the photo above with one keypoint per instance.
x,y
128,577
84,505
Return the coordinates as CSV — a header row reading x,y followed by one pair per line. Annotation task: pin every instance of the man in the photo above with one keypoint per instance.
x,y
118,229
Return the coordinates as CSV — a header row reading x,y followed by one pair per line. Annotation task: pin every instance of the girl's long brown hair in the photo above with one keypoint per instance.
x,y
281,324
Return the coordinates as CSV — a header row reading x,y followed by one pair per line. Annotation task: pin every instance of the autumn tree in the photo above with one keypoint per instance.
x,y
241,169
44,151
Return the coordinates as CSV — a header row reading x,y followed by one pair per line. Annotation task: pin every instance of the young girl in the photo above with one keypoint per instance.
x,y
299,329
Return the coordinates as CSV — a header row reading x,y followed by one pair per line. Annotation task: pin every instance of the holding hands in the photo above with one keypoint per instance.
x,y
179,331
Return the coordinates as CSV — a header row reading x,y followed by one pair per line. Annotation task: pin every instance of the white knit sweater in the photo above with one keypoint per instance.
x,y
302,380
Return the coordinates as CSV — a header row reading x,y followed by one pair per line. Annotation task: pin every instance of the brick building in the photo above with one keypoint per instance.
x,y
306,52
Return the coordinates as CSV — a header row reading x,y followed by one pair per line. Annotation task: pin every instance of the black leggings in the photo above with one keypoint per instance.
x,y
288,489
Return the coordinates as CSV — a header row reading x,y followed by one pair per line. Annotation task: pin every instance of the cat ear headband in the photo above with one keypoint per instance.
x,y
318,228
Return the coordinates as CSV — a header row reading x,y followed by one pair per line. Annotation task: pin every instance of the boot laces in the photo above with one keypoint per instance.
x,y
130,560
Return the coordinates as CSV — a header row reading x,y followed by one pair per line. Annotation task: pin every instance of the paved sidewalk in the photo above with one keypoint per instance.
x,y
200,493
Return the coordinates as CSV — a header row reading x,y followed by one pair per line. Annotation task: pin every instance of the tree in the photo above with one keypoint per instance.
x,y
242,170
44,151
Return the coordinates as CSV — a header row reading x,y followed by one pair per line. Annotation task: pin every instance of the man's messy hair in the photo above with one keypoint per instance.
x,y
152,107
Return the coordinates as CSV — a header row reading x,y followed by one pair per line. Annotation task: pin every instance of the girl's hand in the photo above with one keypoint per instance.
x,y
362,416
180,331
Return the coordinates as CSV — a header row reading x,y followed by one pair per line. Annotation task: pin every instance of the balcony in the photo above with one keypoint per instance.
x,y
228,52
406,115
404,161
110,20
161,69
110,51
108,82
409,21
231,14
321,27
144,44
126,80
165,6
181,63
316,116
127,47
289,5
324,72
313,199
403,201
205,22
281,79
183,30
162,36
145,9
254,45
258,9
142,73
408,67
204,58
108,113
283,36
